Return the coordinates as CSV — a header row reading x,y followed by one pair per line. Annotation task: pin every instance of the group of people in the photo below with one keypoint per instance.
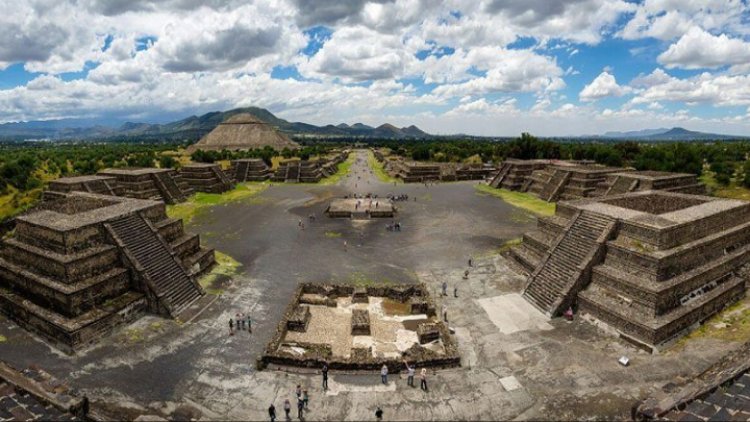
x,y
410,372
302,404
393,226
239,322
402,197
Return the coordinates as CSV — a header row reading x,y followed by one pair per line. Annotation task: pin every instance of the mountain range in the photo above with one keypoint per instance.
x,y
194,127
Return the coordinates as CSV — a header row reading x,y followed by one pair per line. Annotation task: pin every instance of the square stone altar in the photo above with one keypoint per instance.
x,y
361,208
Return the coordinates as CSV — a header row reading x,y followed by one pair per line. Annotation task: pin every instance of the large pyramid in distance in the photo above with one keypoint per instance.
x,y
242,132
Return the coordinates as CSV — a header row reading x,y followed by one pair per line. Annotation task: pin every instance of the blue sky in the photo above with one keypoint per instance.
x,y
487,67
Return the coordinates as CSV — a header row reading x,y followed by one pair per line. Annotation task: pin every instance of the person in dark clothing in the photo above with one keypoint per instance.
x,y
325,376
231,327
287,409
379,413
272,412
300,408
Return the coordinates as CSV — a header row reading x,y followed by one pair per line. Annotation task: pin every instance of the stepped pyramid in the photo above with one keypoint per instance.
x,y
243,132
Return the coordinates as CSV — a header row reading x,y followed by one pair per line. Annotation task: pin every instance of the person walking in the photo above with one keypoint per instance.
x,y
445,313
384,374
410,374
272,412
471,262
455,290
324,371
287,409
445,288
298,392
231,327
305,398
249,324
378,413
423,379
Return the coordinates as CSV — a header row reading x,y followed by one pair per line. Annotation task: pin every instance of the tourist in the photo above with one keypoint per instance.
x,y
410,374
379,413
231,327
325,376
305,398
345,246
272,412
242,319
471,262
300,408
445,288
445,313
423,379
455,290
249,324
299,224
299,392
237,321
287,409
384,374
466,275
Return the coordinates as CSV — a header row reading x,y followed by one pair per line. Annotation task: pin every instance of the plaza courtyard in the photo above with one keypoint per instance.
x,y
515,362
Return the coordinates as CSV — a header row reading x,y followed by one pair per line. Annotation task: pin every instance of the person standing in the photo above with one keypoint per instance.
x,y
445,288
287,409
379,413
423,379
384,374
305,398
471,262
410,374
249,324
231,327
298,392
242,319
324,371
300,408
272,412
455,290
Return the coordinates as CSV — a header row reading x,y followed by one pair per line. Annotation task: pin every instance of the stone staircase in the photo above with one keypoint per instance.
x,y
292,173
163,273
497,181
552,189
168,188
241,172
561,274
622,185
222,176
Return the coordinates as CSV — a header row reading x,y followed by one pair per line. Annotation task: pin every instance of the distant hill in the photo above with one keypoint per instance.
x,y
673,134
195,127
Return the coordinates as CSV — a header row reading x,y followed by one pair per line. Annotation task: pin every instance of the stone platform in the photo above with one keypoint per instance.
x,y
362,208
78,266
650,264
150,183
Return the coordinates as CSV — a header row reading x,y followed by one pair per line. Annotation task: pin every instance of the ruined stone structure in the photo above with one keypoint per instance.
x,y
514,174
206,177
78,266
308,171
249,170
561,182
635,181
720,393
105,185
299,340
650,264
150,183
412,171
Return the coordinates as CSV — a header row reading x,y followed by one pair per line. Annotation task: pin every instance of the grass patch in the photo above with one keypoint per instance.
x,y
3,339
332,234
731,191
201,201
732,324
379,170
526,201
226,267
342,170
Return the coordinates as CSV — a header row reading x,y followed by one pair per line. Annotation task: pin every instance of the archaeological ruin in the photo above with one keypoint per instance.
x,y
360,209
308,171
150,183
205,177
560,182
361,328
249,170
649,264
105,185
82,264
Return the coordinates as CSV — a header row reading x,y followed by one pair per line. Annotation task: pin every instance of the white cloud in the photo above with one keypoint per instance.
x,y
603,86
699,49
